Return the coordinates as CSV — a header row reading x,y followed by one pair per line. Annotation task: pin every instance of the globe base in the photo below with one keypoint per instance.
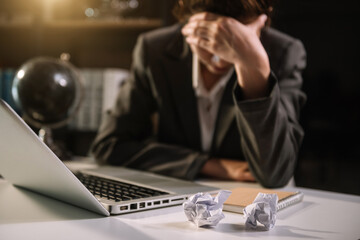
x,y
45,134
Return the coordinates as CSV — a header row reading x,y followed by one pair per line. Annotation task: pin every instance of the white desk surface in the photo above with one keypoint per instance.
x,y
27,215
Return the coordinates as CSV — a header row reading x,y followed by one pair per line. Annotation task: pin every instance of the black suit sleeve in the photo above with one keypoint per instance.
x,y
269,128
126,134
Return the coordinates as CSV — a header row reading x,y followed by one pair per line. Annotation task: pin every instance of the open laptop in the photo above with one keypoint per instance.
x,y
27,162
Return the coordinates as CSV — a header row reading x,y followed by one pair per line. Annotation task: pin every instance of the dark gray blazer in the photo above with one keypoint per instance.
x,y
265,132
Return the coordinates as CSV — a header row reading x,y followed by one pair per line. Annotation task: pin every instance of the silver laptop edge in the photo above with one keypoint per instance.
x,y
32,165
27,162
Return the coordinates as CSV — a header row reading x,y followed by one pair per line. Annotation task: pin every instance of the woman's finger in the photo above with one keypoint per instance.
x,y
200,42
192,27
258,23
204,16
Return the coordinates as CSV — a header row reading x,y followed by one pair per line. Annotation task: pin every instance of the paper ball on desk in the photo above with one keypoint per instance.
x,y
262,210
204,210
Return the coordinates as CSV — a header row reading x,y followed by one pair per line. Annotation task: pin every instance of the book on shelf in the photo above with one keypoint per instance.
x,y
6,81
1,83
113,78
241,197
100,87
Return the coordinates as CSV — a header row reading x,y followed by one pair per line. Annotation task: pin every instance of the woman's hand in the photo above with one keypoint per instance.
x,y
234,43
228,169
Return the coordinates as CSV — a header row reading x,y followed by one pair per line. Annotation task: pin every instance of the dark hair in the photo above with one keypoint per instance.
x,y
239,9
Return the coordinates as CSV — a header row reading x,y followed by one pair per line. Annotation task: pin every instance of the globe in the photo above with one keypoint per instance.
x,y
48,93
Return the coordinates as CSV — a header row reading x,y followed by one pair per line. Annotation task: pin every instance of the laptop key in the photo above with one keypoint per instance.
x,y
115,190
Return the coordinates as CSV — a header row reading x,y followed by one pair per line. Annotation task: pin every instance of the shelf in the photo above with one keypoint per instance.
x,y
91,24
49,28
101,24
16,25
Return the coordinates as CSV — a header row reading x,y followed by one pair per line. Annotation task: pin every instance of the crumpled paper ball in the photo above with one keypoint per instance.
x,y
262,210
204,210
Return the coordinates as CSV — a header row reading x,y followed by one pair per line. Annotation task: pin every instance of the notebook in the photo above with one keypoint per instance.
x,y
25,161
241,197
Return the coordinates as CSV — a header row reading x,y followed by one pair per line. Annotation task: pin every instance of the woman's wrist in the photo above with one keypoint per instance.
x,y
253,81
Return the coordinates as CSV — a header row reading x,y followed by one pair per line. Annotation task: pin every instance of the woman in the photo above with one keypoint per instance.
x,y
226,94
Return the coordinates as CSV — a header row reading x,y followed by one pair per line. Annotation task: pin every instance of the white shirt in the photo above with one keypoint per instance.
x,y
208,103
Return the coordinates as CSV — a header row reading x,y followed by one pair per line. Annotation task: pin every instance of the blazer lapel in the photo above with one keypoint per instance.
x,y
226,115
179,71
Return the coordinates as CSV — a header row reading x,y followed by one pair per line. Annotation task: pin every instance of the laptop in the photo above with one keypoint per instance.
x,y
27,162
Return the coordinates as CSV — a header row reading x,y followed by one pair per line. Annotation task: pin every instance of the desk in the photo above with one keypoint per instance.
x,y
27,215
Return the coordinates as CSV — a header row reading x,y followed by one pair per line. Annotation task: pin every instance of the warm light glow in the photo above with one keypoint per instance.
x,y
89,12
20,74
60,80
133,4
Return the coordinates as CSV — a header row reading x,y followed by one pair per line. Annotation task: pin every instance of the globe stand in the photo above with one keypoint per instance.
x,y
45,134
48,92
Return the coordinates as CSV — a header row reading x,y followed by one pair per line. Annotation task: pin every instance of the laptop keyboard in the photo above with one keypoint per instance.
x,y
115,190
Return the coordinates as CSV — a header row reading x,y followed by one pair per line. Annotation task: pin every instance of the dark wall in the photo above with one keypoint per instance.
x,y
330,154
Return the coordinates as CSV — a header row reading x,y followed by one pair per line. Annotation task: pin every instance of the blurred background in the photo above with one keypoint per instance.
x,y
99,36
